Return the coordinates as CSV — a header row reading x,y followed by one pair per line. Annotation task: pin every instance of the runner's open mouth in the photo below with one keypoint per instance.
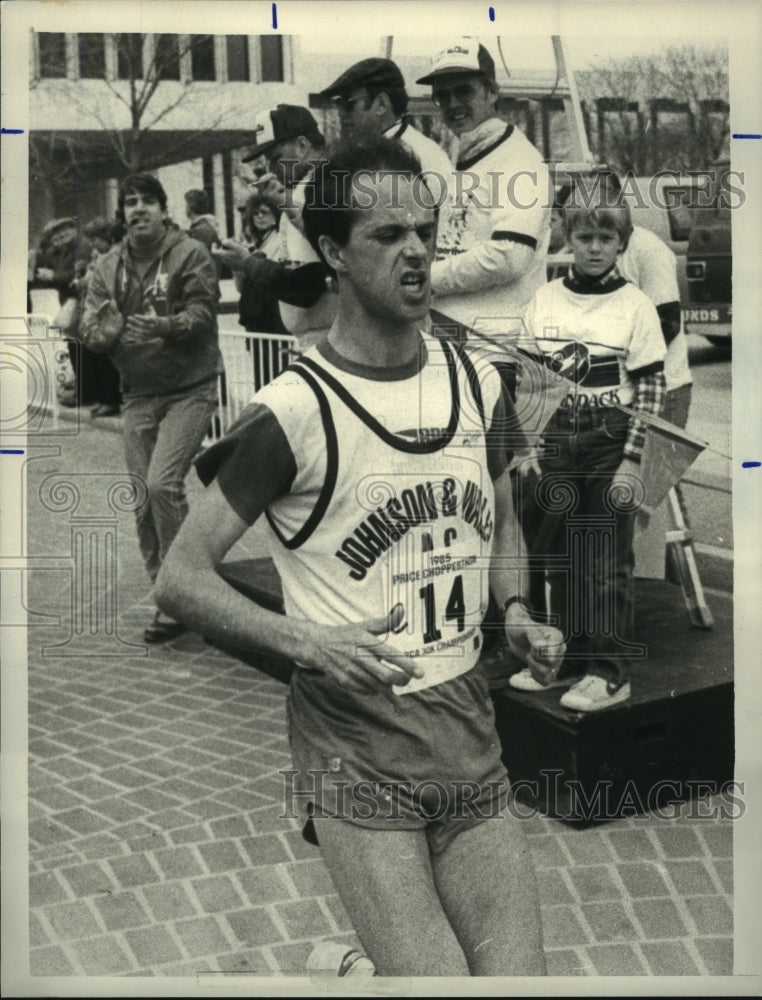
x,y
414,280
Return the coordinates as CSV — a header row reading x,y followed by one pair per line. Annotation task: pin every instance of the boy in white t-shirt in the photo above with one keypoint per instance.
x,y
651,266
604,335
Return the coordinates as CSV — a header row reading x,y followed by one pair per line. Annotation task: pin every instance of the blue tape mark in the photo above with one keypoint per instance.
x,y
750,465
275,17
11,131
11,451
747,135
492,13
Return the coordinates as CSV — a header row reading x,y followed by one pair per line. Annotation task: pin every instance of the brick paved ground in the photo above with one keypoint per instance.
x,y
156,844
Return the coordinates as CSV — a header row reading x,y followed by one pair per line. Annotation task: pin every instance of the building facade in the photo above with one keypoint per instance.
x,y
181,106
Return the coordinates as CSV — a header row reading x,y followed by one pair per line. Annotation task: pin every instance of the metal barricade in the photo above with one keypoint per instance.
x,y
251,360
44,353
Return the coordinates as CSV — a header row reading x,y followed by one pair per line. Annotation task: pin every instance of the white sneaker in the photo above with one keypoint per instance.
x,y
330,958
593,693
525,680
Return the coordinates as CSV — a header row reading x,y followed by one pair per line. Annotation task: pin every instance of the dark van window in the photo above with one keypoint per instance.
x,y
722,202
679,211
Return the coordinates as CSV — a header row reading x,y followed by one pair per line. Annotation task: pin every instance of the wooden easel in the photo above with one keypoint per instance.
x,y
680,542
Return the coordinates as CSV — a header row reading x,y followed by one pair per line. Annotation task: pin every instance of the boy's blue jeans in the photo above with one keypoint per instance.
x,y
580,534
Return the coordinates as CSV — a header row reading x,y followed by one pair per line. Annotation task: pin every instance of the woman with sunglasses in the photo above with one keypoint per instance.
x,y
260,225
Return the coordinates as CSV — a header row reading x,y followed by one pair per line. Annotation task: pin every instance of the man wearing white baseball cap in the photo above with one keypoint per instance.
x,y
491,247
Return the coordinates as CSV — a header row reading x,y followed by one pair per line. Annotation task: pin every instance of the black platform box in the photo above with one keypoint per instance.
x,y
672,740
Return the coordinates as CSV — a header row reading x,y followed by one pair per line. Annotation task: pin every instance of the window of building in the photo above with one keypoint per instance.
x,y
271,49
52,49
202,57
129,52
92,56
238,58
166,57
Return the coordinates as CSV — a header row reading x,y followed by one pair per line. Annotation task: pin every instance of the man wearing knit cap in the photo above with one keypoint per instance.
x,y
289,137
491,247
372,101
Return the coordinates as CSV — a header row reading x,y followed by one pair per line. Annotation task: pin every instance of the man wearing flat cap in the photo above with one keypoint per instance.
x,y
491,247
372,101
289,137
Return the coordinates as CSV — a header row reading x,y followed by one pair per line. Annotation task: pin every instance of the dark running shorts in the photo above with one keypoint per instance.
x,y
428,760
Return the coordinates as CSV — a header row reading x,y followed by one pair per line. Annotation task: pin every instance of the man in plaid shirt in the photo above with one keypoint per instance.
x,y
603,335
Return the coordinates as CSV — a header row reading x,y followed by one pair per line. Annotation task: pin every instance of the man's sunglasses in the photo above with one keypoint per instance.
x,y
462,93
344,105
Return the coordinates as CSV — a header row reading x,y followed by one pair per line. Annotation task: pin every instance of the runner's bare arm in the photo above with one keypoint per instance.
x,y
190,588
508,567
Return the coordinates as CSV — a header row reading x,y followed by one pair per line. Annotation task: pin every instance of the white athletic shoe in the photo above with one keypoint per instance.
x,y
330,958
525,680
593,693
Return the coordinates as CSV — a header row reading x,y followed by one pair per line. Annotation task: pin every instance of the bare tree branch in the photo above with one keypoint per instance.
x,y
182,98
687,74
150,88
114,91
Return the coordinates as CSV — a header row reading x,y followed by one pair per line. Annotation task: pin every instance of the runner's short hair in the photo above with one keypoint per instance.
x,y
330,209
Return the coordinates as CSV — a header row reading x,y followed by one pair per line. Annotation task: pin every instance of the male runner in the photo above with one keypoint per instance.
x,y
379,460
